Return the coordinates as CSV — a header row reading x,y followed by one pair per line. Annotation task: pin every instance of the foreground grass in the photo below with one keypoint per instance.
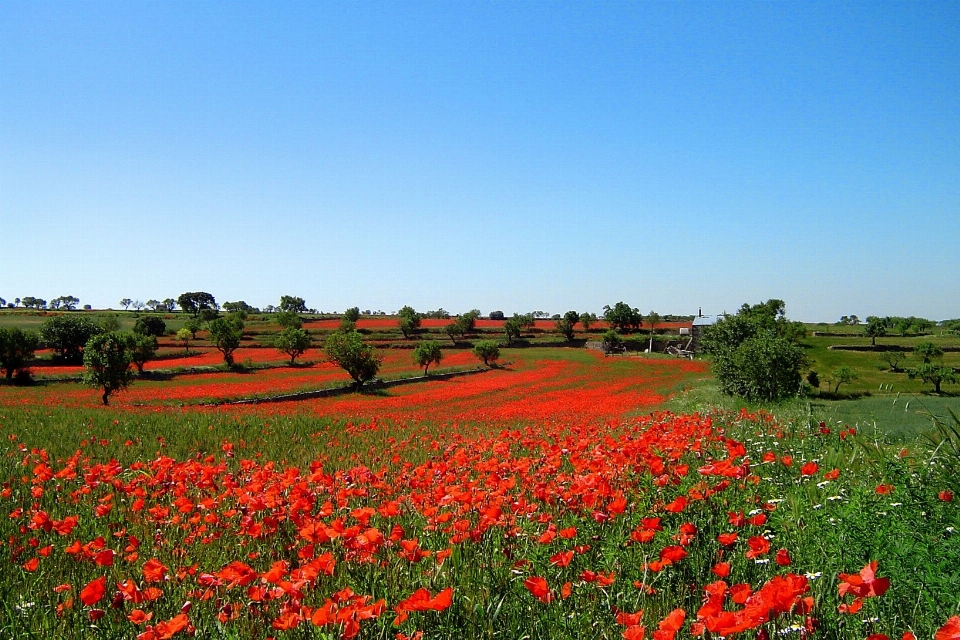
x,y
248,526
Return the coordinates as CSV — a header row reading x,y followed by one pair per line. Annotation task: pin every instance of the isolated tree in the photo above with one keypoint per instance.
x,y
106,363
587,319
842,375
876,328
289,320
927,351
67,335
496,315
142,348
150,326
168,304
348,351
408,320
292,304
934,374
294,342
488,351
612,342
193,302
16,349
153,304
352,314
893,359
427,352
125,303
567,325
225,334
755,352
138,305
183,337
622,317
652,319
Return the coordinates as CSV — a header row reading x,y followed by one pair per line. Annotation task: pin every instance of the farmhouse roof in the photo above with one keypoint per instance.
x,y
705,321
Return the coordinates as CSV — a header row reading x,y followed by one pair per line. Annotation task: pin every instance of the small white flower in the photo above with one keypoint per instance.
x,y
813,576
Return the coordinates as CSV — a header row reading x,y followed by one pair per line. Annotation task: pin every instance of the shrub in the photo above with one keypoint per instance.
x,y
612,343
755,354
16,348
150,326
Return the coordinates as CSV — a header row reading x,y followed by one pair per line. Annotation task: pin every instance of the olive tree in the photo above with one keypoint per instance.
x,y
347,350
652,318
876,328
934,374
927,351
488,351
842,375
106,363
427,352
184,336
612,343
293,341
567,325
225,334
408,321
142,347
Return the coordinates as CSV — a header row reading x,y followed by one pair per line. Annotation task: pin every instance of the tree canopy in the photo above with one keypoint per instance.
x,y
67,335
16,349
292,304
622,317
348,351
193,302
293,341
755,352
106,363
427,352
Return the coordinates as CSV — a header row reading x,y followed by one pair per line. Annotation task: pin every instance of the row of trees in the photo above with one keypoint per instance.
x,y
67,303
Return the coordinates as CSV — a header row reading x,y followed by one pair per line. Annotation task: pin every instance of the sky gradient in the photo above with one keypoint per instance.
x,y
514,156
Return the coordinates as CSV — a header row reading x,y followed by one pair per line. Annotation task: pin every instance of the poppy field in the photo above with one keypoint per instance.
x,y
547,499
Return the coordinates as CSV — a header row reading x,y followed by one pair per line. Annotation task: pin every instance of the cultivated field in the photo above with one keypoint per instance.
x,y
548,498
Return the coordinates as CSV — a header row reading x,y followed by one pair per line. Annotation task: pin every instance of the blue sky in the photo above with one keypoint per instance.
x,y
515,156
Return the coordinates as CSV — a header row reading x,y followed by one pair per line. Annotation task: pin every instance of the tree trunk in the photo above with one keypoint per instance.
x,y
105,397
936,386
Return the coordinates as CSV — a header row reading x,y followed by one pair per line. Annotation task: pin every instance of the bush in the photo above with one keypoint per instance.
x,y
755,354
488,351
347,350
67,335
150,326
16,348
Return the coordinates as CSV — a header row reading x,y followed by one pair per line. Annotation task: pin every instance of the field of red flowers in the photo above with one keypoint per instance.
x,y
541,501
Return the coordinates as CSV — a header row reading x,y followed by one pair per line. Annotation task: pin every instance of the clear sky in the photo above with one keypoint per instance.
x,y
517,156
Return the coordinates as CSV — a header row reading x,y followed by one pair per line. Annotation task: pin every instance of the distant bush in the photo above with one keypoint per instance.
x,y
150,326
